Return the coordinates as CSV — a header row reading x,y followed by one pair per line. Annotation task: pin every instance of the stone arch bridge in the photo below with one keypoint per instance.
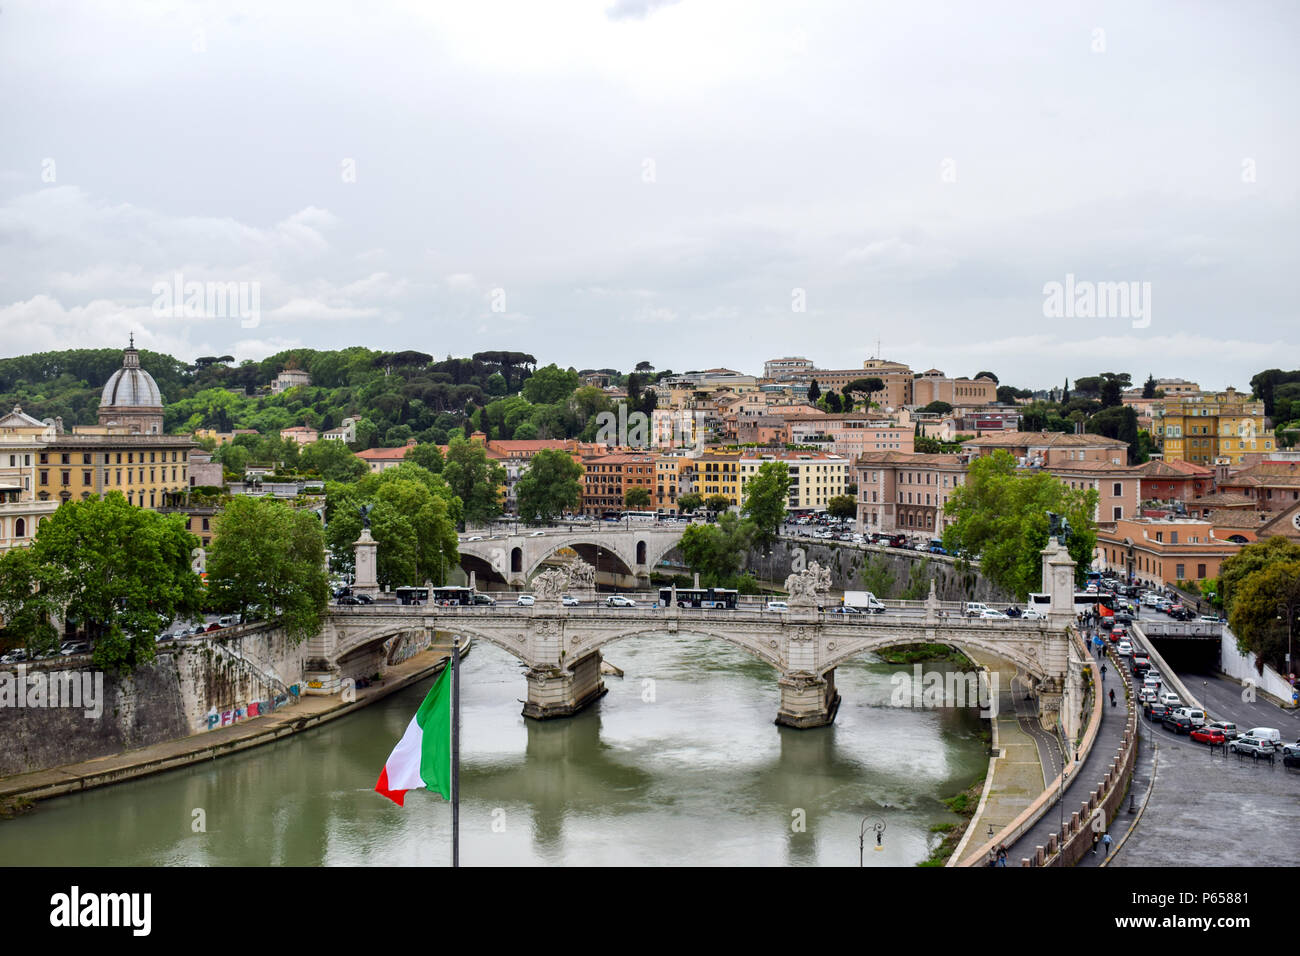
x,y
561,647
630,553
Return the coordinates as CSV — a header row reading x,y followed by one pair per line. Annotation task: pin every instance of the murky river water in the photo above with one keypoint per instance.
x,y
698,775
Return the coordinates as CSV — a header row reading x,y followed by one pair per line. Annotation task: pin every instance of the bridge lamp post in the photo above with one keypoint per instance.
x,y
1060,793
878,827
1287,612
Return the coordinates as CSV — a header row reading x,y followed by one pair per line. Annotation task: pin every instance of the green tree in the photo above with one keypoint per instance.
x,y
29,612
637,497
1250,560
716,551
814,391
877,577
332,460
1266,603
550,385
1149,387
717,503
690,502
1000,515
842,506
474,479
267,562
767,494
941,408
550,487
426,455
988,375
119,572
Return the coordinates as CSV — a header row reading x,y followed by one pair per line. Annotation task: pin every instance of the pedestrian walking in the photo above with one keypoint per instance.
x,y
1103,672
1105,843
1095,840
1112,697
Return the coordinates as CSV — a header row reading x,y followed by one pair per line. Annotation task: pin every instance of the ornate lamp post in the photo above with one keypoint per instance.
x,y
875,825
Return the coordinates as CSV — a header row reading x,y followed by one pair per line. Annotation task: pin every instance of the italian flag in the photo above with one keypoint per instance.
x,y
422,758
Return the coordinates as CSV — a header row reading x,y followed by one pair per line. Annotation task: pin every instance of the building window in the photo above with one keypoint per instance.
x,y
45,475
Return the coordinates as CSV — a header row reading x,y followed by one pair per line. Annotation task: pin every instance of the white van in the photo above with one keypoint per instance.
x,y
1265,733
974,608
1197,717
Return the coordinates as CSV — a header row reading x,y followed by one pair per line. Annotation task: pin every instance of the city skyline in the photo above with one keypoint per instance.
x,y
652,180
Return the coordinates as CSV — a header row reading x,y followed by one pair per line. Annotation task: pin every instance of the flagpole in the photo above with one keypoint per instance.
x,y
455,751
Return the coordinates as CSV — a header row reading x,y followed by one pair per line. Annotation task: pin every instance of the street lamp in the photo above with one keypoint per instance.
x,y
1287,611
878,826
1060,794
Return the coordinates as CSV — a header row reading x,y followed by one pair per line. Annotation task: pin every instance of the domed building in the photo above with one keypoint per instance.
x,y
131,398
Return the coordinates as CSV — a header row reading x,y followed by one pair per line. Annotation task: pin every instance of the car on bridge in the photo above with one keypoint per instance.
x,y
568,600
525,600
779,606
618,600
992,614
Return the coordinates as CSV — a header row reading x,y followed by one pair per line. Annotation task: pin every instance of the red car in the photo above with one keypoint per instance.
x,y
1208,736
214,626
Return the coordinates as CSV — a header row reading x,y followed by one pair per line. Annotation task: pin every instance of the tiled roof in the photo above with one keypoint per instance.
x,y
1045,439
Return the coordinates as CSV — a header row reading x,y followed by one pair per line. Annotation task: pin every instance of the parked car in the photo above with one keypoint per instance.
x,y
1197,717
1291,757
1265,733
226,621
1247,744
1208,735
780,606
525,600
74,647
214,626
1179,725
618,600
1227,728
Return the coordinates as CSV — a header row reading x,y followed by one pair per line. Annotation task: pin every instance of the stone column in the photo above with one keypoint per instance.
x,y
807,700
367,580
562,692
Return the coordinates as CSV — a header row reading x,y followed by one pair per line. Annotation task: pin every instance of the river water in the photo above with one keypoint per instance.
x,y
679,764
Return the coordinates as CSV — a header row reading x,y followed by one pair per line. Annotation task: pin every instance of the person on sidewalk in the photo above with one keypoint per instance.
x,y
1103,672
1112,697
1105,843
1095,840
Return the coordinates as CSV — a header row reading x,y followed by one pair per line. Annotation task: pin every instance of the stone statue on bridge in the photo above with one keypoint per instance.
x,y
1059,528
550,585
803,586
582,575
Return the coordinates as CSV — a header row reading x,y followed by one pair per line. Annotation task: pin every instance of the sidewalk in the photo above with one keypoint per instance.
x,y
1085,778
1018,776
309,712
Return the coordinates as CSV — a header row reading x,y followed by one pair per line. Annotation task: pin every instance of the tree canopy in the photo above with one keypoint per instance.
x,y
1000,515
550,487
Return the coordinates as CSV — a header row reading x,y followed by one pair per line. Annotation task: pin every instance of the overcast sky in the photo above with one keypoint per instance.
x,y
603,182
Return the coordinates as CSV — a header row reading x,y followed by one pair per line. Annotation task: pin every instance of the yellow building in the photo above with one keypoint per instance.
x,y
815,477
1211,426
718,473
146,469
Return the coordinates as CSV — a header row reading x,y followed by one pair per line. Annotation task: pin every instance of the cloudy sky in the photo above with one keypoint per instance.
x,y
694,183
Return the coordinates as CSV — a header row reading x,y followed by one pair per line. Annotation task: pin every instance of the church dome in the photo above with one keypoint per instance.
x,y
130,386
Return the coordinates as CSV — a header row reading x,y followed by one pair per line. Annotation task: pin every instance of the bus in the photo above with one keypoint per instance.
x,y
700,597
412,595
638,516
1083,601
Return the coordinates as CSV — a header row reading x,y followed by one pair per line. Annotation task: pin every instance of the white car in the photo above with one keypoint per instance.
x,y
1169,699
1032,614
1197,717
1124,649
477,537
780,606
537,534
617,600
526,600
569,600
1146,694
975,608
992,614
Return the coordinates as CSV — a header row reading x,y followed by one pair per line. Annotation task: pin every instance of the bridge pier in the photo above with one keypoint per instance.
x,y
808,700
562,692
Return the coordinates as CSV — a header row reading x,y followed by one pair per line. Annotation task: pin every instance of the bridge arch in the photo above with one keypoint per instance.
x,y
1023,653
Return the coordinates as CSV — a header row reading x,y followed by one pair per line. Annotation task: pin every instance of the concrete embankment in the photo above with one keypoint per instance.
x,y
168,755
